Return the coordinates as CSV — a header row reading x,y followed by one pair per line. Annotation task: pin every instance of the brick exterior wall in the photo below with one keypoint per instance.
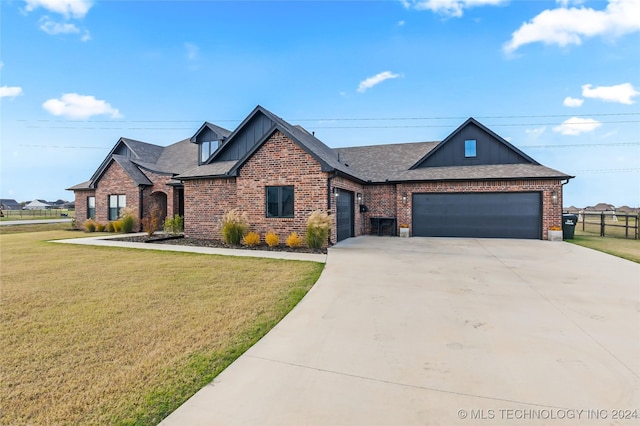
x,y
205,202
115,181
81,206
381,202
278,162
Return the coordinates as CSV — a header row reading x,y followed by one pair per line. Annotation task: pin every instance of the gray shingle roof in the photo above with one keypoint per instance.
x,y
219,168
80,186
381,162
493,171
132,170
375,163
143,151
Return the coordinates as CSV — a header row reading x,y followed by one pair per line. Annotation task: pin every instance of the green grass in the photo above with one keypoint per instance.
x,y
612,228
98,335
39,227
37,214
624,248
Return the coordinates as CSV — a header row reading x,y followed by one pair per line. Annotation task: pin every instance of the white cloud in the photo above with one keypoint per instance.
x,y
51,27
576,125
621,93
537,131
73,105
401,23
67,8
368,83
449,8
10,91
572,102
565,26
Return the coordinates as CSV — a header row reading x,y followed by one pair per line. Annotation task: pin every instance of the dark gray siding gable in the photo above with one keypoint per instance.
x,y
248,136
490,149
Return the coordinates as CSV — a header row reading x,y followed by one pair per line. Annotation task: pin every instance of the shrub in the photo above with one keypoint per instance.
x,y
128,223
127,219
100,227
234,226
150,223
89,226
252,239
117,226
111,227
271,239
174,225
318,225
293,240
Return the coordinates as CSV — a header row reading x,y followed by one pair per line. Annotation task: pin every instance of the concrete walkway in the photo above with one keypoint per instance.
x,y
109,242
427,331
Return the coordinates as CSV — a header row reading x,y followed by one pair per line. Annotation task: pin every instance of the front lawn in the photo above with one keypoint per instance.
x,y
624,248
97,335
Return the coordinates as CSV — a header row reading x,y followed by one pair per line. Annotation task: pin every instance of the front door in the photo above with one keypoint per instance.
x,y
344,215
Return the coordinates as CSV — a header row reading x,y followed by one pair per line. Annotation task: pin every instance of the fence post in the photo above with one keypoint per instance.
x,y
602,224
626,225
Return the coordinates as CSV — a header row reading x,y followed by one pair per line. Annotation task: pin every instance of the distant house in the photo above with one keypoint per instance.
x,y
37,205
572,210
627,209
474,183
8,204
601,207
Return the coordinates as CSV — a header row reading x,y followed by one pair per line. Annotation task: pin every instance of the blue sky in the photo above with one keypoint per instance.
x,y
559,79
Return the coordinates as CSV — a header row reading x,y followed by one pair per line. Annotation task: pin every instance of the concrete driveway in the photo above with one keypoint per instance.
x,y
427,331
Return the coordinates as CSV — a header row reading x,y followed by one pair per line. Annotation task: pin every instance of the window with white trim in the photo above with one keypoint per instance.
x,y
91,207
116,203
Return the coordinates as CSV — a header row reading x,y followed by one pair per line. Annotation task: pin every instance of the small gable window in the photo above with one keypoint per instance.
x,y
279,201
470,148
207,148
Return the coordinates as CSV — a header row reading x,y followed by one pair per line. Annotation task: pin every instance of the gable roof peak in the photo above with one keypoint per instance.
x,y
473,122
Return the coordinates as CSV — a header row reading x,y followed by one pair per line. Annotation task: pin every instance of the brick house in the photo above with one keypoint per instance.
x,y
472,184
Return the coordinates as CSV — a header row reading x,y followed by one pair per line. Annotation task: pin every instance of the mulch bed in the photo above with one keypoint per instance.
x,y
200,242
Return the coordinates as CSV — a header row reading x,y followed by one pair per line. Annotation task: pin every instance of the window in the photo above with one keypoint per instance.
x,y
470,148
91,207
279,201
206,149
116,203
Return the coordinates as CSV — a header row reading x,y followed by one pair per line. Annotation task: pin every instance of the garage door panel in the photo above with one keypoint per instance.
x,y
481,215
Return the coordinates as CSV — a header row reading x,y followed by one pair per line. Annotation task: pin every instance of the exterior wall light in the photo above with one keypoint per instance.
x,y
404,198
336,192
554,197
359,197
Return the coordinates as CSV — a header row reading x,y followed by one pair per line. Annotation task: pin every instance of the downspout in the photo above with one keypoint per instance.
x,y
140,210
329,179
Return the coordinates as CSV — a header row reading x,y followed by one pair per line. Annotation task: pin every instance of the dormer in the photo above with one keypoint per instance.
x,y
209,139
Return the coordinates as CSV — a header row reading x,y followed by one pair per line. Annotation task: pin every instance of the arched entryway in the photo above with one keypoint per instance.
x,y
159,203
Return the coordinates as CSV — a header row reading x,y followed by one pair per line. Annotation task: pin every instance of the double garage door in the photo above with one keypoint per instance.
x,y
478,215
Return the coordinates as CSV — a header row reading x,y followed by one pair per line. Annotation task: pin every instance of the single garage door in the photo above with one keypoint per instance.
x,y
344,215
478,215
